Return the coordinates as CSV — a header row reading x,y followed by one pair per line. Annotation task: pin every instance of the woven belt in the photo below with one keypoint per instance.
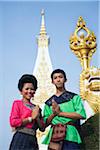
x,y
27,131
68,123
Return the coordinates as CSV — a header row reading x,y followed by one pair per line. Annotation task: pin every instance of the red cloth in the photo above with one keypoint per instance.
x,y
18,113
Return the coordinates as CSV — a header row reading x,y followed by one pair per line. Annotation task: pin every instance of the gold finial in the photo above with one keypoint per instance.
x,y
83,43
42,30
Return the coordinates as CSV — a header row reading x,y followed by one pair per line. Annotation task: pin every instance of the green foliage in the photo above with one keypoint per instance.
x,y
90,133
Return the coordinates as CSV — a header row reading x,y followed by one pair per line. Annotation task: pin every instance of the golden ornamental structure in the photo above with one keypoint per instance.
x,y
83,44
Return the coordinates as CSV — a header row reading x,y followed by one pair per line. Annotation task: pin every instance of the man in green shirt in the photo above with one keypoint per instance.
x,y
63,108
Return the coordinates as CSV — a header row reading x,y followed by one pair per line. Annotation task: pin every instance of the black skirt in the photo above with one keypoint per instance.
x,y
22,141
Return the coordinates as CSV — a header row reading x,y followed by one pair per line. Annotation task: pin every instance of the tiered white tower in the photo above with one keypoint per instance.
x,y
43,66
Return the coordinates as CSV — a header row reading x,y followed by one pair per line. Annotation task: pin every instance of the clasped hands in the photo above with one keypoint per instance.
x,y
55,108
35,112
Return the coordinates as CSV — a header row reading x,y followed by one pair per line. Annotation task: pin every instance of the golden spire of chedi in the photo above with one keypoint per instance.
x,y
43,29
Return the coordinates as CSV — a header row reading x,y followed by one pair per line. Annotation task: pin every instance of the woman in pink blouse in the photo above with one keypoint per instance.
x,y
26,117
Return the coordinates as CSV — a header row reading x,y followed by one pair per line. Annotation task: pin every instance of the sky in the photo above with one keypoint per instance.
x,y
19,27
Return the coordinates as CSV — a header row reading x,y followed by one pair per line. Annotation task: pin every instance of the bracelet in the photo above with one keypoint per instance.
x,y
30,119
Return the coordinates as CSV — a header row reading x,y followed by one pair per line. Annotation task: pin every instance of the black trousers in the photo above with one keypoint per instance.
x,y
67,145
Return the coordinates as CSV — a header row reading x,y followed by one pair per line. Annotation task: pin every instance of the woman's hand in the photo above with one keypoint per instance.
x,y
35,112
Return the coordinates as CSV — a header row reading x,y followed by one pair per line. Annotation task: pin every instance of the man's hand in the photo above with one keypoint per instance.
x,y
55,107
35,112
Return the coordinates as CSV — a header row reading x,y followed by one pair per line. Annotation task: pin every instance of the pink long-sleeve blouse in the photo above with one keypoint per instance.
x,y
18,113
